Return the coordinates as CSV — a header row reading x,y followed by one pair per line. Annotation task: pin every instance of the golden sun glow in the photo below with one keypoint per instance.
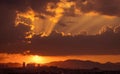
x,y
37,59
46,59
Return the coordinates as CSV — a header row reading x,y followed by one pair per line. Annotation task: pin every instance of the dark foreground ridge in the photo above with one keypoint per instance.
x,y
61,67
53,70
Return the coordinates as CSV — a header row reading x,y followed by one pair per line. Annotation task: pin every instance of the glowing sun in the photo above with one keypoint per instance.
x,y
37,59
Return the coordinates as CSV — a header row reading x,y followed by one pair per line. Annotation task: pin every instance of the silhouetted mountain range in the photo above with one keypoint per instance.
x,y
79,64
72,64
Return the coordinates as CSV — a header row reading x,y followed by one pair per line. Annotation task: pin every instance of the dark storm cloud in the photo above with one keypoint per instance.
x,y
23,5
40,5
106,43
8,32
11,36
105,7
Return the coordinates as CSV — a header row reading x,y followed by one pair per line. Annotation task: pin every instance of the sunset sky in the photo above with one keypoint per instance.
x,y
42,31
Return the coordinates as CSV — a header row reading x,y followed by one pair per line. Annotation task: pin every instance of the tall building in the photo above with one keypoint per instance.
x,y
24,64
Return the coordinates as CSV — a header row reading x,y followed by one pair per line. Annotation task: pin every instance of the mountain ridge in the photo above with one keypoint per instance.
x,y
80,64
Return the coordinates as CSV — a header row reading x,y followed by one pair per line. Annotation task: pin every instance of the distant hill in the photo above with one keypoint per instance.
x,y
79,64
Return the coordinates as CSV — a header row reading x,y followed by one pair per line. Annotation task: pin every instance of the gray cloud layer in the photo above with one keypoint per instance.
x,y
105,7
